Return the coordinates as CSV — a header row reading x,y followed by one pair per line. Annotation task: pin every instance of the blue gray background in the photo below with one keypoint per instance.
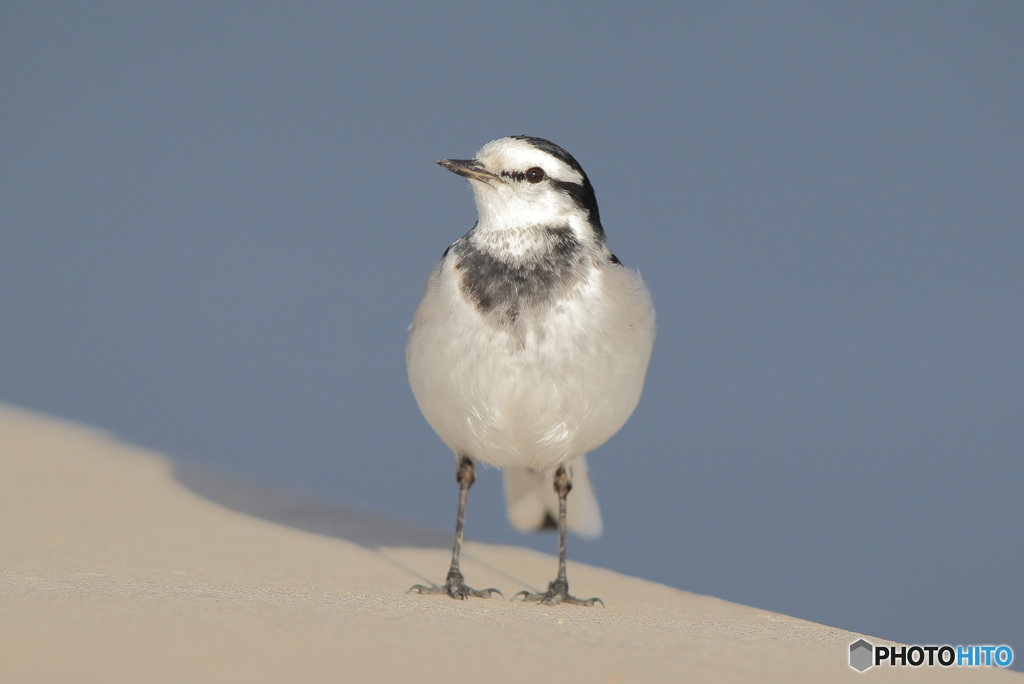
x,y
216,221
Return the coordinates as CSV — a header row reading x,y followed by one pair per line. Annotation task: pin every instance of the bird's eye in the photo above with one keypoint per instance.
x,y
535,174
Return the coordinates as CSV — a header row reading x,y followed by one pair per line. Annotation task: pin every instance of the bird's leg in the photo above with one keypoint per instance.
x,y
455,585
558,590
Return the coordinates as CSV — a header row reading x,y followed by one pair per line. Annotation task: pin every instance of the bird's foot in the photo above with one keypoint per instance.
x,y
558,592
456,587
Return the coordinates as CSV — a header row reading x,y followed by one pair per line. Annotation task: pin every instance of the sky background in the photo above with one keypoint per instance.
x,y
216,220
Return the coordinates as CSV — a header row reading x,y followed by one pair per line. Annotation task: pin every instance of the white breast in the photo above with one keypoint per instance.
x,y
558,385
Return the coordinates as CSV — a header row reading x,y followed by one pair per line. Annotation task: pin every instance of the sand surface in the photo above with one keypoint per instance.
x,y
118,566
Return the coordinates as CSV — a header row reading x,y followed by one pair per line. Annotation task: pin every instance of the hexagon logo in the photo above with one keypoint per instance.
x,y
861,655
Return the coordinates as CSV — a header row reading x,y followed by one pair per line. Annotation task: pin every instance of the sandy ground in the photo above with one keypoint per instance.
x,y
117,567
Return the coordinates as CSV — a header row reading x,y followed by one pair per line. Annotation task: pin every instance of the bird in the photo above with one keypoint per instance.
x,y
530,346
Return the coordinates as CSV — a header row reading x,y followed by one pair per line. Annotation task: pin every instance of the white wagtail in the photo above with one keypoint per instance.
x,y
530,345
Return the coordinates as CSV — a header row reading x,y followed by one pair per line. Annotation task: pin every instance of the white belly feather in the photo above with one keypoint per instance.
x,y
556,385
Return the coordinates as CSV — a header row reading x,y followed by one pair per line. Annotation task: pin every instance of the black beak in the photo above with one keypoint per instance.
x,y
469,168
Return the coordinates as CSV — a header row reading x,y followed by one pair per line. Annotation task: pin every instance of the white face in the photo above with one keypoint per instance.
x,y
509,154
512,202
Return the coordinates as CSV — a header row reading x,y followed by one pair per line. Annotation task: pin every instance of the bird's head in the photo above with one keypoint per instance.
x,y
521,182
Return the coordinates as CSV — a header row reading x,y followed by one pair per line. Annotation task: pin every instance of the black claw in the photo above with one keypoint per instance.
x,y
558,592
457,590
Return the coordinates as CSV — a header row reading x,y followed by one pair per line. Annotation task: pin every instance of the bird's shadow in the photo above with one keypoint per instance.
x,y
300,511
303,512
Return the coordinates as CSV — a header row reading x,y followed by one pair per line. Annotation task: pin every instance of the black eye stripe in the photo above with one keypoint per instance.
x,y
534,174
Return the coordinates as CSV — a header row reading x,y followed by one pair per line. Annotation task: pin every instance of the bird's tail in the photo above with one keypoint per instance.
x,y
533,504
